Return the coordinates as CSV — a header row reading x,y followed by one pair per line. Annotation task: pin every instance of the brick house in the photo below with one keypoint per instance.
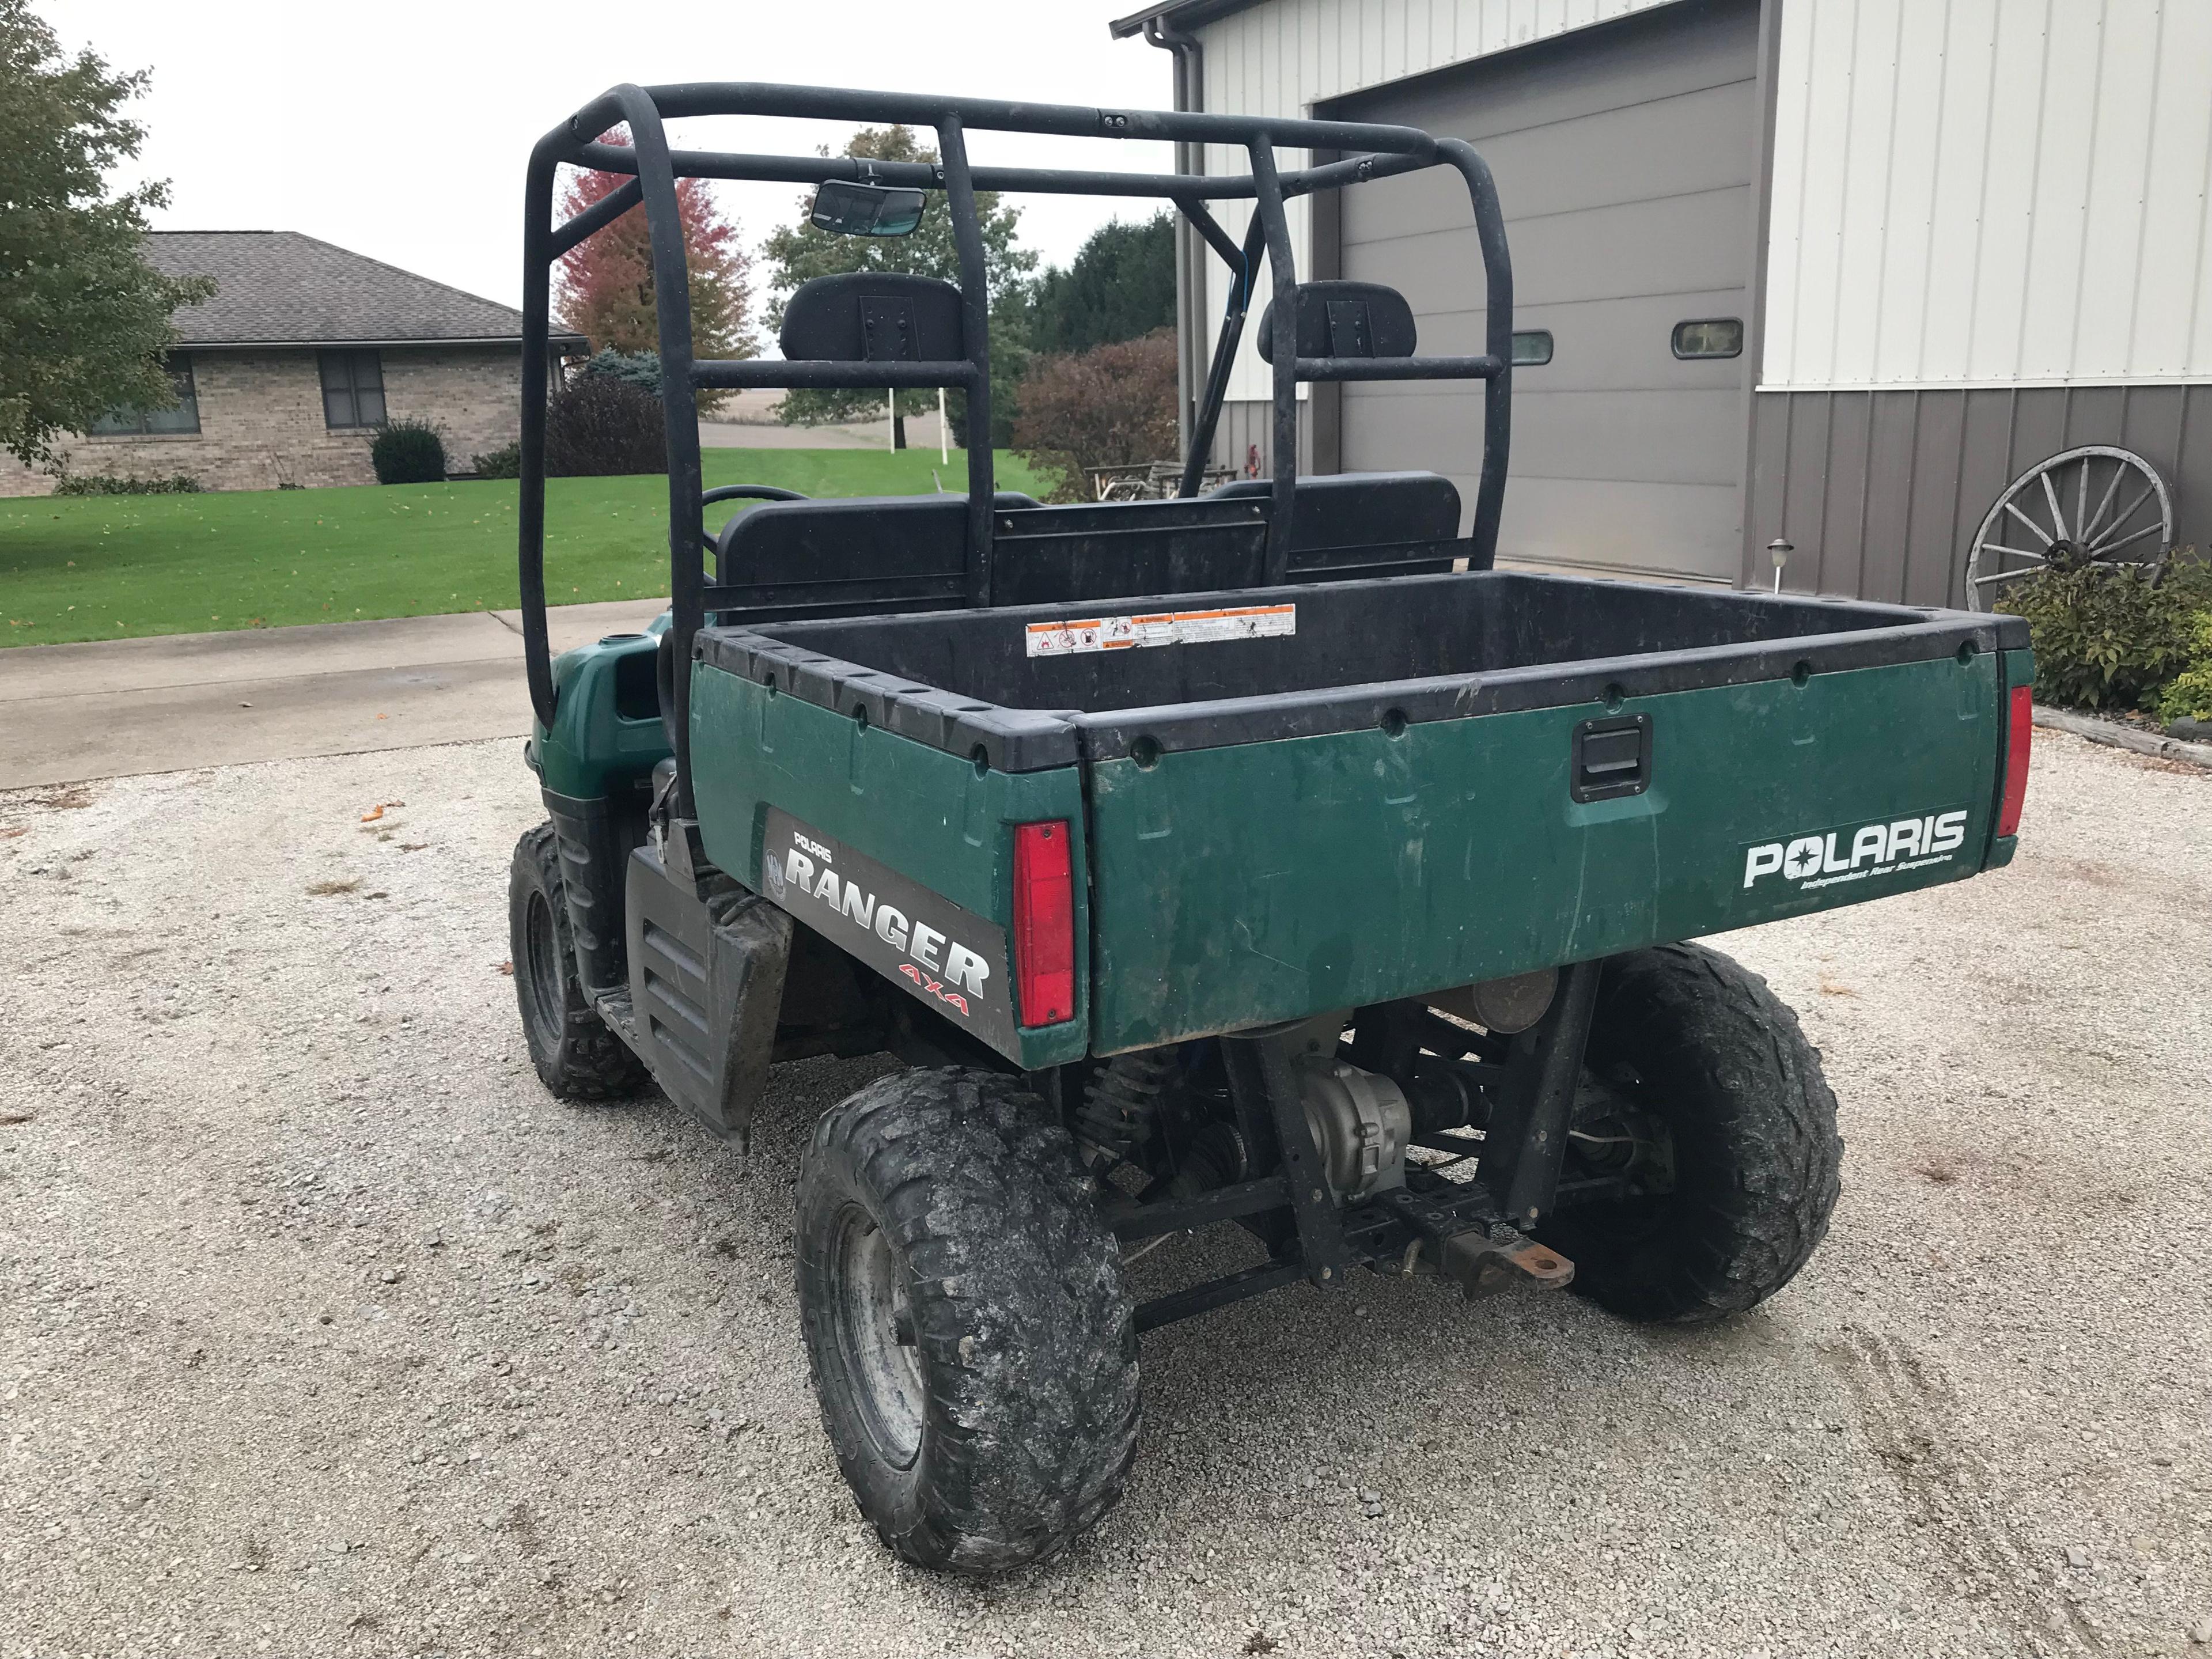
x,y
285,371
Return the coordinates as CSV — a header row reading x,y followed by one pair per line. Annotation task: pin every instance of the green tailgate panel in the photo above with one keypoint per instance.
x,y
929,816
1247,884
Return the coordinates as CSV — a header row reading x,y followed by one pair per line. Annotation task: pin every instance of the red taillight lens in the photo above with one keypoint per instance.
x,y
1044,923
2017,735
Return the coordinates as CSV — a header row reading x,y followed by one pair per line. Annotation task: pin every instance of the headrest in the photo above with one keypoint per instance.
x,y
873,316
1345,320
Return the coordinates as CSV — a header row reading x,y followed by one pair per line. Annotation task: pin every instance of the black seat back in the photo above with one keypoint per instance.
x,y
873,316
1345,320
1120,550
863,549
1344,518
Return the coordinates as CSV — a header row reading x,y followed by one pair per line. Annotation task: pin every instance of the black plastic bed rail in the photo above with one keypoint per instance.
x,y
1368,151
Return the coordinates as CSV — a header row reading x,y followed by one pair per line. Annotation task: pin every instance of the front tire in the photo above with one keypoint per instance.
x,y
973,1344
577,1057
1700,1089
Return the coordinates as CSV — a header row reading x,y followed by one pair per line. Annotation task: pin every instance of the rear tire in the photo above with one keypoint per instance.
x,y
1692,1054
577,1057
973,1344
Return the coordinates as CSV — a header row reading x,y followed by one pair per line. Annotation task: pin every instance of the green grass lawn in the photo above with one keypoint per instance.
x,y
110,567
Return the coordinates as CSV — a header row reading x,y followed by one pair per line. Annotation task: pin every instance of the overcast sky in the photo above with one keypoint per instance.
x,y
400,129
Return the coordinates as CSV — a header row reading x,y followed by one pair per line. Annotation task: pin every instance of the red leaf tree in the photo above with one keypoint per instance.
x,y
604,287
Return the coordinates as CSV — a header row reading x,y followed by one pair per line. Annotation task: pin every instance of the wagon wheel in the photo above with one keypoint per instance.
x,y
2094,505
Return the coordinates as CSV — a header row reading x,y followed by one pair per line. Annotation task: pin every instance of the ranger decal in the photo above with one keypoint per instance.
x,y
945,955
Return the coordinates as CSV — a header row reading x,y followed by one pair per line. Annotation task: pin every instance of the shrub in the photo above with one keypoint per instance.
x,y
2112,637
603,425
407,451
505,462
1113,405
638,368
95,484
2187,696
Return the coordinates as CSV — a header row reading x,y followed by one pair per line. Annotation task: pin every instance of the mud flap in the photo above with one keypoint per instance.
x,y
707,988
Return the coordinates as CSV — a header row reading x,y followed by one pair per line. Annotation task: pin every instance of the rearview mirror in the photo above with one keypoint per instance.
x,y
851,210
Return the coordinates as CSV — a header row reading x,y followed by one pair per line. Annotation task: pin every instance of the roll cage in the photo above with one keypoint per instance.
x,y
1358,152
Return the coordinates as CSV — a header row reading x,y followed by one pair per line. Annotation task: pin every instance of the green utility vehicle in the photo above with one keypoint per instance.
x,y
1259,860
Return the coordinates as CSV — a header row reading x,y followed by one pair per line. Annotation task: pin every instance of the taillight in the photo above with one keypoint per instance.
x,y
2017,734
1044,923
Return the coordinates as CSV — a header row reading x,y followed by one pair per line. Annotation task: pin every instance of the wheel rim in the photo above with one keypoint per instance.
x,y
541,945
870,1310
2094,505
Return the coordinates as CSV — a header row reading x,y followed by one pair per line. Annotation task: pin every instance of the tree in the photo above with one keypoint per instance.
x,y
603,290
799,252
1119,286
84,319
1113,405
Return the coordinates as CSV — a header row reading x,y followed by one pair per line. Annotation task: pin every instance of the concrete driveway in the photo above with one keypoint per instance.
x,y
117,708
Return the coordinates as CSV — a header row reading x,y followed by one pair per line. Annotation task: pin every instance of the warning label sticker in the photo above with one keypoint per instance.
x,y
1072,638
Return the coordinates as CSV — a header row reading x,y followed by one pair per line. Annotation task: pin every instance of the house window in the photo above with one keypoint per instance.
x,y
1713,337
1532,347
185,417
353,389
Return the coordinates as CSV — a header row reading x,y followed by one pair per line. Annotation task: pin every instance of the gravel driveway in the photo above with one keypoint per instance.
x,y
323,1331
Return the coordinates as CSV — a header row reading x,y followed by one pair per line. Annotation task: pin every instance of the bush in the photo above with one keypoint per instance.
x,y
637,369
601,425
2113,637
174,483
2189,695
407,451
1113,405
505,462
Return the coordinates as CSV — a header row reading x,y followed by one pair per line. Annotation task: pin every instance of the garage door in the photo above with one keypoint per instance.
x,y
1624,157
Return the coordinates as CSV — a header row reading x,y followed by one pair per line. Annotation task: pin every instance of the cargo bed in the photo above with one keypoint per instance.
x,y
1334,794
1035,686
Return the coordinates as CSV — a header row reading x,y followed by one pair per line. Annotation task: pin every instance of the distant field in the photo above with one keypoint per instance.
x,y
111,567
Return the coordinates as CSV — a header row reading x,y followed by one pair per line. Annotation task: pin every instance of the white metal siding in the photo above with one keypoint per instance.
x,y
1283,58
1972,192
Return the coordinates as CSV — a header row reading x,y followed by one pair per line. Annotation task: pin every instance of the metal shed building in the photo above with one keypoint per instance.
x,y
1831,272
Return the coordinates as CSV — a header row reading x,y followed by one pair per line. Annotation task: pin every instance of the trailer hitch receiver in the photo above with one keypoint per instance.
x,y
1482,1264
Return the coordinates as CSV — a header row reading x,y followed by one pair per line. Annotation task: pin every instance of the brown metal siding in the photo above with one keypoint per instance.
x,y
1881,491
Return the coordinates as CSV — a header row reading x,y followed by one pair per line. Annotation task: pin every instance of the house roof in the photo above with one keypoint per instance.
x,y
279,288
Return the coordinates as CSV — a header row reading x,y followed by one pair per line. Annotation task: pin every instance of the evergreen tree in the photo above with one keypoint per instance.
x,y
1119,286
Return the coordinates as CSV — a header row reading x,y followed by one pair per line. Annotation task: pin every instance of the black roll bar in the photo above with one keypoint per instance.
x,y
1377,152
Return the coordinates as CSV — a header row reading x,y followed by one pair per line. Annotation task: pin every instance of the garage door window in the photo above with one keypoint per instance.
x,y
1532,347
1713,337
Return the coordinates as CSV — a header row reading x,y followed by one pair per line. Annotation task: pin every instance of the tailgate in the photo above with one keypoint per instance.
x,y
1261,881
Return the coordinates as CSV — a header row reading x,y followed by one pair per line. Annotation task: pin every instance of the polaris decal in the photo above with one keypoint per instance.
x,y
1829,858
940,954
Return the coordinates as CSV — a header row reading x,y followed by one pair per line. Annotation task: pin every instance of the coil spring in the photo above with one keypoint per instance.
x,y
1120,1105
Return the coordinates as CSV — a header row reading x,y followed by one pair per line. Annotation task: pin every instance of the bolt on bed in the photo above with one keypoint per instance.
x,y
1261,859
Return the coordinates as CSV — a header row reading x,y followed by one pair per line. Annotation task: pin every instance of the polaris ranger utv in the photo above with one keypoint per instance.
x,y
1261,859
